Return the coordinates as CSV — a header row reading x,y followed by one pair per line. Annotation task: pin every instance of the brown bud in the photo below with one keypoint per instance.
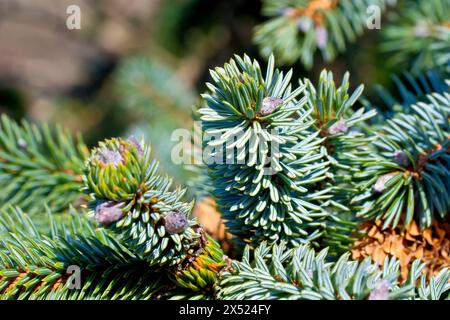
x,y
109,157
107,212
175,222
401,158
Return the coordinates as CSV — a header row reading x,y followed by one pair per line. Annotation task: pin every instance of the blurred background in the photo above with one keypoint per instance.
x,y
137,66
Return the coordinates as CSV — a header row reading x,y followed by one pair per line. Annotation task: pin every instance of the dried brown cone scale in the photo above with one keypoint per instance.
x,y
208,216
430,245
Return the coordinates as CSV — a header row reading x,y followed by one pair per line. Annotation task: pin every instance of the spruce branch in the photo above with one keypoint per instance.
x,y
39,165
296,29
36,266
408,177
339,125
113,263
409,88
131,198
337,122
275,272
419,35
262,153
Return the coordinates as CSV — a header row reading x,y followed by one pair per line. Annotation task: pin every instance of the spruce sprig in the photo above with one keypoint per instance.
x,y
408,177
296,29
276,272
131,198
39,165
263,153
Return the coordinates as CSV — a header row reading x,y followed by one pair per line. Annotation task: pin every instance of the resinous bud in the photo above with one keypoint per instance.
x,y
339,126
269,104
107,212
401,158
175,222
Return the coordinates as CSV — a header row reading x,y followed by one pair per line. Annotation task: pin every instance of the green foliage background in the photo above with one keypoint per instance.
x,y
152,88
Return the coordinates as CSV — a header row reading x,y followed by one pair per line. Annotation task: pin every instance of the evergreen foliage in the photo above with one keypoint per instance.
x,y
339,125
409,89
114,260
247,140
408,177
143,84
39,164
279,273
304,175
142,81
36,266
420,36
415,34
298,28
133,200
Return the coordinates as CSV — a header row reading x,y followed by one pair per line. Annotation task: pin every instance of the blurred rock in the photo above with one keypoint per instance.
x,y
42,57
